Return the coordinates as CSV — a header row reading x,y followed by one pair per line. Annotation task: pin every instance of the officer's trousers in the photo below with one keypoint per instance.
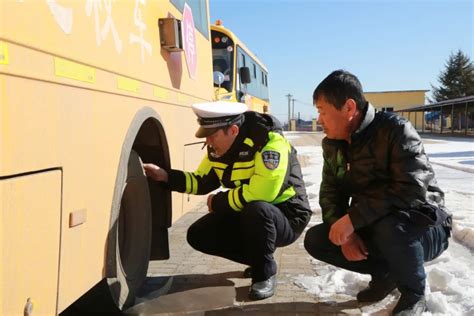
x,y
249,237
397,248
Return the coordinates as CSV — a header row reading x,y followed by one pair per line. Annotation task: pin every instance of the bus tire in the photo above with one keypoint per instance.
x,y
132,235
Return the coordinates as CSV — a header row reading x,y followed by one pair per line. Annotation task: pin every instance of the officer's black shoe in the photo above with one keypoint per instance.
x,y
377,290
263,289
248,272
409,305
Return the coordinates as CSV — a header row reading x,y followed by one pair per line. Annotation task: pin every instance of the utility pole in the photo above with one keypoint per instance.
x,y
289,109
293,109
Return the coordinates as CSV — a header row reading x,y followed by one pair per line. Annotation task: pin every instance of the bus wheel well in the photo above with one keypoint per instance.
x,y
141,209
152,147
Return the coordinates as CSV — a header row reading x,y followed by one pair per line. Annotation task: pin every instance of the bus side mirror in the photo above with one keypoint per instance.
x,y
171,38
218,77
244,75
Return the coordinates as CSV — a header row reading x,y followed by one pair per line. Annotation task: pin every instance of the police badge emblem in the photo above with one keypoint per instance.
x,y
271,159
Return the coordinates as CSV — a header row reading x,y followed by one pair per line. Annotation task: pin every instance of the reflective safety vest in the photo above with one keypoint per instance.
x,y
257,167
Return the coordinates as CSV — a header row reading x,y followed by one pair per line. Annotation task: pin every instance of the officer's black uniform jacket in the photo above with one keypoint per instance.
x,y
260,166
384,170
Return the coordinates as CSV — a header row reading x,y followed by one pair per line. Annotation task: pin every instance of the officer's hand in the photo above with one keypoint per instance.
x,y
354,249
341,230
209,202
155,172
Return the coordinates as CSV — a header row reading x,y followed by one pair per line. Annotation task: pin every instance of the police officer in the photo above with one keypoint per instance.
x,y
265,205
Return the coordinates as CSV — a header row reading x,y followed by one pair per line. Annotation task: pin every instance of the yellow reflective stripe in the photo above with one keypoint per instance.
x,y
219,173
249,142
236,198
195,184
242,174
204,167
188,182
288,193
219,165
244,164
230,197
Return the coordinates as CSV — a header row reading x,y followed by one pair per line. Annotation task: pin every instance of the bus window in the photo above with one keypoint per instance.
x,y
223,58
199,9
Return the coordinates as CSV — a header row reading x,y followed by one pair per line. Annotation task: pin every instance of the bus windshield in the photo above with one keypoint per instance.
x,y
223,58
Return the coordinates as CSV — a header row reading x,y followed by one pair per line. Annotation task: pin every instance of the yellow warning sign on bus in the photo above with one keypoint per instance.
x,y
69,69
3,53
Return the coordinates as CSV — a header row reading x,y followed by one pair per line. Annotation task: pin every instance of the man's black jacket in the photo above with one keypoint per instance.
x,y
384,170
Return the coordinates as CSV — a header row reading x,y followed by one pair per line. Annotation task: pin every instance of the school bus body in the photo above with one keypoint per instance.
x,y
83,84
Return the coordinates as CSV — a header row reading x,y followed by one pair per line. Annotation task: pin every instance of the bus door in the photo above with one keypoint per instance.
x,y
241,87
30,215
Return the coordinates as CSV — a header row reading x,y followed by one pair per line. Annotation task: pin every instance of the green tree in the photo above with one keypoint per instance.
x,y
457,80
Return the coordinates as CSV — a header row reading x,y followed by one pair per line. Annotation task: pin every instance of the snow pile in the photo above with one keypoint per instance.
x,y
329,281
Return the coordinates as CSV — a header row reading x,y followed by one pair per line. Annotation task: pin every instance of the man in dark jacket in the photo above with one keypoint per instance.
x,y
383,212
266,205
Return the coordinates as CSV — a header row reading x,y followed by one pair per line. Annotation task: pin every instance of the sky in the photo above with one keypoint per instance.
x,y
389,45
449,288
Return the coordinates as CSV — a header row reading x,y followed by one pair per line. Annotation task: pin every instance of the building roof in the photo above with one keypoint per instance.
x,y
396,91
439,104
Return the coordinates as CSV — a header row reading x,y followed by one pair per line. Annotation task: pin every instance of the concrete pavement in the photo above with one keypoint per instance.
x,y
187,282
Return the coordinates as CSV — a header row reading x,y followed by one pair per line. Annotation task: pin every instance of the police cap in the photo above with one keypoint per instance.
x,y
215,115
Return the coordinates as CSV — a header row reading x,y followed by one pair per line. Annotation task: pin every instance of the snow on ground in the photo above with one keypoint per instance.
x,y
446,154
454,152
449,289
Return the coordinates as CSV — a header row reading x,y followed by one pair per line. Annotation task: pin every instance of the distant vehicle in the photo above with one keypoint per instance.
x,y
432,116
88,90
245,77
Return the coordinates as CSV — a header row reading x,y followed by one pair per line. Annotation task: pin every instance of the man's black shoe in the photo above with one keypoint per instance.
x,y
263,289
377,290
409,305
248,272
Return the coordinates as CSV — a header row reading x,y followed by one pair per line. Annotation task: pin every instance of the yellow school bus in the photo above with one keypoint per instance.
x,y
90,89
244,78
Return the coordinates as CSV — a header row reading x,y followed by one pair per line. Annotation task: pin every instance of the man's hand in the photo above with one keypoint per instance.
x,y
341,230
155,172
354,249
209,202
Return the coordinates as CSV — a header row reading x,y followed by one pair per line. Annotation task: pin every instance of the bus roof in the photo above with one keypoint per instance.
x,y
237,41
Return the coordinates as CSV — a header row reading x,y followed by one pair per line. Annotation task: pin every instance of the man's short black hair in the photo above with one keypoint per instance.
x,y
339,86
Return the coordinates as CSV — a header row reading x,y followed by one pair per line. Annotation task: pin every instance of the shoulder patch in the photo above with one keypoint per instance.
x,y
271,159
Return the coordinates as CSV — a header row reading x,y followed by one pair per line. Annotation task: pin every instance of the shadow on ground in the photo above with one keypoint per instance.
x,y
199,294
216,294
